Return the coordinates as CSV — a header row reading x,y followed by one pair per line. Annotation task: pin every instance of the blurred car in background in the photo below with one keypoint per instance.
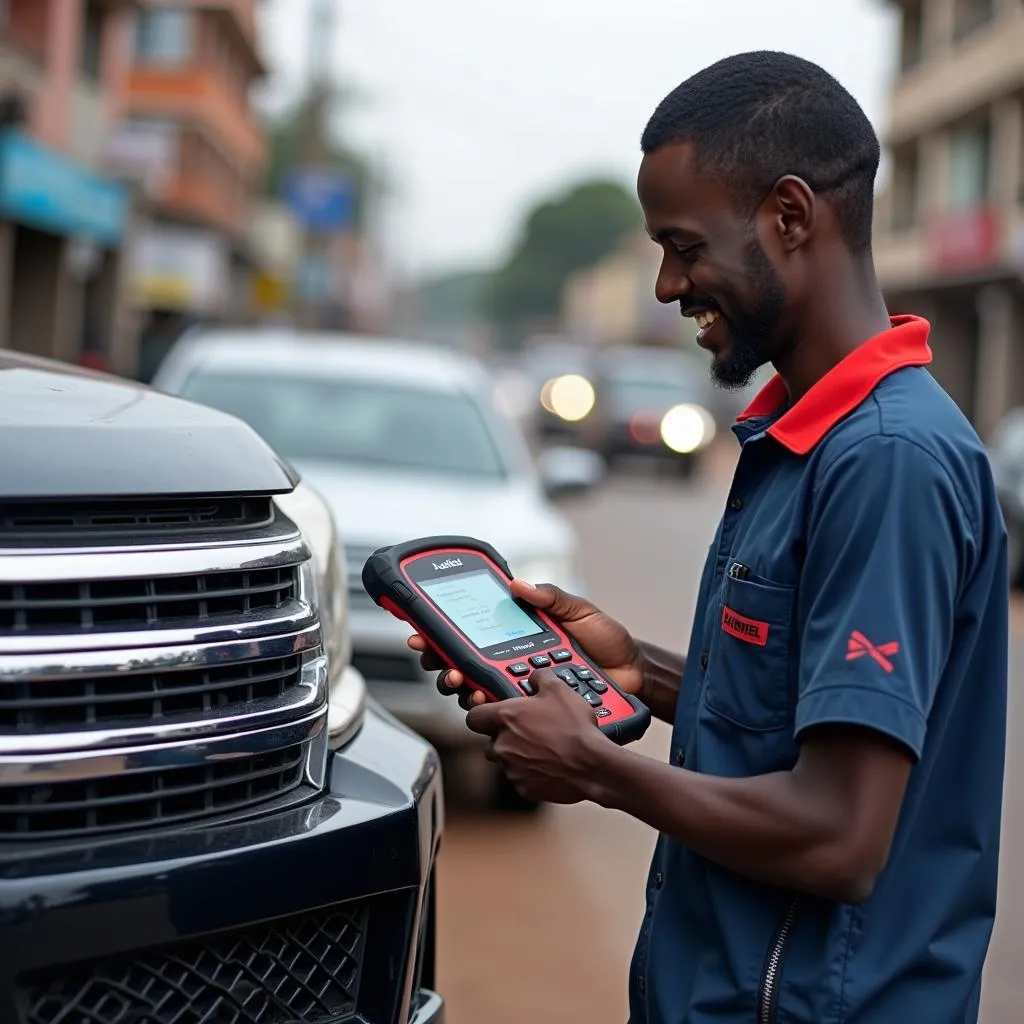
x,y
651,402
1006,453
559,388
403,440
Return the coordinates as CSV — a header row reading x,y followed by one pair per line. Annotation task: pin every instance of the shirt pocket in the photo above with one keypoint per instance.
x,y
748,679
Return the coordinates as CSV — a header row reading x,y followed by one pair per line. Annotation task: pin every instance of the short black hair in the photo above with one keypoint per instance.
x,y
755,117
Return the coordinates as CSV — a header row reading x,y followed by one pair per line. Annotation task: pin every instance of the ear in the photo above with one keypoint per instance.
x,y
793,212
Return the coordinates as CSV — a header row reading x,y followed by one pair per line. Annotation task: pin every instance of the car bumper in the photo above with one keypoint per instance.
x,y
430,1009
394,678
294,912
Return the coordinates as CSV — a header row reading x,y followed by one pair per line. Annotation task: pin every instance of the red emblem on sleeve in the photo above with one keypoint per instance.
x,y
859,646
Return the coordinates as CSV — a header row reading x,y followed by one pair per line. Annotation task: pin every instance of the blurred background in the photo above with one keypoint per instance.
x,y
402,241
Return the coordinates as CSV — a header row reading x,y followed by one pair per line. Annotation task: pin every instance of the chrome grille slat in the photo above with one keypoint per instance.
x,y
37,705
54,520
88,606
155,799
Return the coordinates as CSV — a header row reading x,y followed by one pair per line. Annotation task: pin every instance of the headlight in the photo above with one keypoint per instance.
x,y
347,688
685,428
570,397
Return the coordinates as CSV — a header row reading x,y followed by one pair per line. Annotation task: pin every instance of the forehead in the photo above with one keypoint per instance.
x,y
675,193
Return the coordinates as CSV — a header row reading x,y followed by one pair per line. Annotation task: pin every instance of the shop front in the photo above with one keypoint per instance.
x,y
62,233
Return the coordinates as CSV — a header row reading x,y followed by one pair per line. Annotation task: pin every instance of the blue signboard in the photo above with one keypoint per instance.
x,y
322,200
46,190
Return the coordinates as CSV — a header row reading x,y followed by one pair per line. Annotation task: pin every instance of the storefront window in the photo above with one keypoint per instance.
x,y
1020,155
970,166
971,14
911,35
163,36
905,187
91,42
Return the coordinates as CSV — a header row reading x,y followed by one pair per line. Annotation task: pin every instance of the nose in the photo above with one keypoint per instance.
x,y
672,284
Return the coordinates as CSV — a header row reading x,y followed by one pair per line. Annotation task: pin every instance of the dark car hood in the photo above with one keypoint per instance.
x,y
68,432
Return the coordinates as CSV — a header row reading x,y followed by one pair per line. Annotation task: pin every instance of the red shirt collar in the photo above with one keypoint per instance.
x,y
844,387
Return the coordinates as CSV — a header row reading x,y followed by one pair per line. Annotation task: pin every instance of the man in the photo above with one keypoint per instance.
x,y
829,819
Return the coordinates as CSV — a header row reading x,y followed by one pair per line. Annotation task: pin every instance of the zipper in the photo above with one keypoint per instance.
x,y
738,571
769,998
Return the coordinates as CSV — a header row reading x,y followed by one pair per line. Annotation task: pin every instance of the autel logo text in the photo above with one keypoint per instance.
x,y
448,563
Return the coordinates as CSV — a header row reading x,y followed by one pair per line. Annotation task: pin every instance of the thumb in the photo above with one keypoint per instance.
x,y
549,598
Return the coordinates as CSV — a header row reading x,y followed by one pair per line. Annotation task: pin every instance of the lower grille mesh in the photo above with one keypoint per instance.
x,y
303,970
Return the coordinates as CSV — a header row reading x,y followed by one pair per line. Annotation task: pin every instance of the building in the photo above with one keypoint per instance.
x,y
949,235
187,132
613,301
64,222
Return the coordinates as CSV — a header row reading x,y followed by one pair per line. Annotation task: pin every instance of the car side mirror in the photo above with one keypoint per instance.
x,y
566,471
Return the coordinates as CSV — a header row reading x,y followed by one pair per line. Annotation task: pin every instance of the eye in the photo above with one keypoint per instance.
x,y
688,253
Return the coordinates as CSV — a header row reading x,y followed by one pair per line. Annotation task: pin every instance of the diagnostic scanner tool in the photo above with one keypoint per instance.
x,y
454,591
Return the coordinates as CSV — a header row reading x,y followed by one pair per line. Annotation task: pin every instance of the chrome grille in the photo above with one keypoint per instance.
x,y
57,521
148,799
302,970
151,683
159,602
72,702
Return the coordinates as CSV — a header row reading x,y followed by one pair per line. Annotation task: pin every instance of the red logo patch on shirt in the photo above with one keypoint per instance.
x,y
751,631
859,646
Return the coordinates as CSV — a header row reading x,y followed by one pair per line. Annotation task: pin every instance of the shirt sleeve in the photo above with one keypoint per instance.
x,y
887,547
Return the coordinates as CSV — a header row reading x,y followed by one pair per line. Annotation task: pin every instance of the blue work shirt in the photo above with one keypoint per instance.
x,y
858,576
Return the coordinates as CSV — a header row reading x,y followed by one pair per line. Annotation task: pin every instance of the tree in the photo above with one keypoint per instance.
x,y
454,297
560,236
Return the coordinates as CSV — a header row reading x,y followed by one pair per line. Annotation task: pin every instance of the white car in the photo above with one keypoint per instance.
x,y
403,440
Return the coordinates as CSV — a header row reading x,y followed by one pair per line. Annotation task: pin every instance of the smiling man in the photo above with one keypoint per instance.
x,y
829,817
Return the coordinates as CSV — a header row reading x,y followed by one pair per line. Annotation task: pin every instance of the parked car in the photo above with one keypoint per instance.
x,y
1006,452
202,817
652,402
559,379
403,440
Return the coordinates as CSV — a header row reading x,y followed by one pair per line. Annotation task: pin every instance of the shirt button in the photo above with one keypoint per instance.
x,y
641,984
659,880
680,757
735,504
703,659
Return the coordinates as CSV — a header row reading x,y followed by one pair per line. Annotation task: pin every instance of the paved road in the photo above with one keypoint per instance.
x,y
538,916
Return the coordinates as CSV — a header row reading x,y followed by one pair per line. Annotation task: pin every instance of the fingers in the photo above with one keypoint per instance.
x,y
429,661
552,599
451,682
486,718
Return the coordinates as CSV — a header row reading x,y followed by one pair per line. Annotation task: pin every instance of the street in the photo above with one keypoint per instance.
x,y
538,916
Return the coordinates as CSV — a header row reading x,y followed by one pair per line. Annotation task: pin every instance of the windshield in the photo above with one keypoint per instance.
x,y
356,421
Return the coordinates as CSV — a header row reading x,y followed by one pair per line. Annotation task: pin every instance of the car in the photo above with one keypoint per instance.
x,y
557,388
203,816
404,440
656,403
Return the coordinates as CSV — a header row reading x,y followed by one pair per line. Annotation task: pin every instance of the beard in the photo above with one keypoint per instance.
x,y
753,330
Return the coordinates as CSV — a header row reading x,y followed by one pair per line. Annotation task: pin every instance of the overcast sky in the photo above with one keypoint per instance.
x,y
479,107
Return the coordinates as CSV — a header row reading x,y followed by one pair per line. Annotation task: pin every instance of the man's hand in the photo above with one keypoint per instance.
x,y
541,742
641,669
607,642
